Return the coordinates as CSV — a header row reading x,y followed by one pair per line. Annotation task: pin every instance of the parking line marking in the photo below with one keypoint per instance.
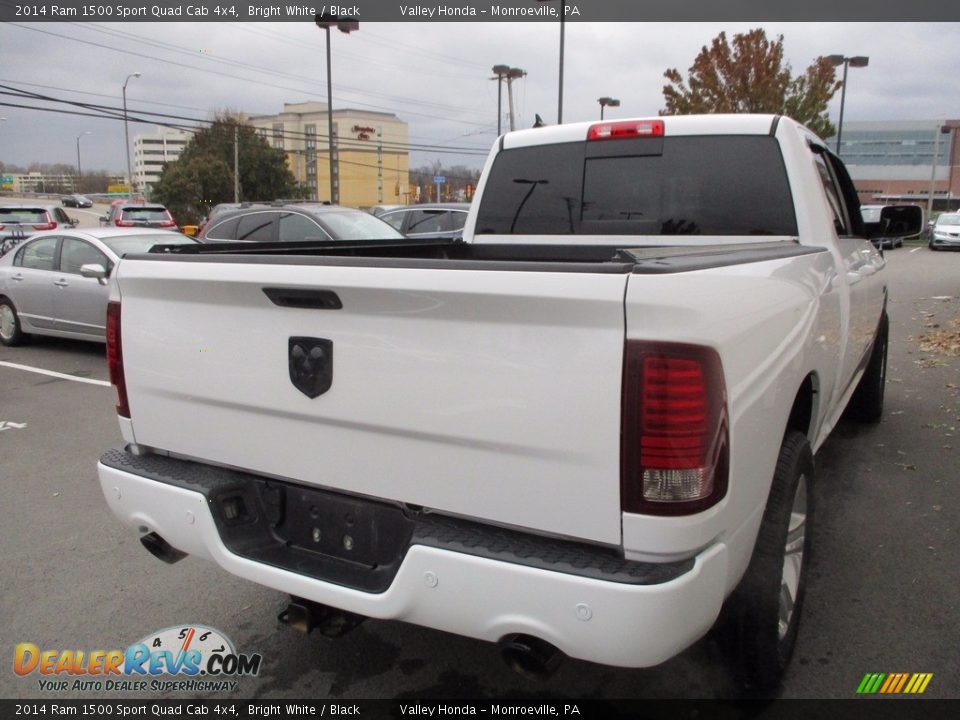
x,y
51,373
915,249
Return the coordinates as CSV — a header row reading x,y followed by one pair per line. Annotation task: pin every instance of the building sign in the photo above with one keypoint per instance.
x,y
362,133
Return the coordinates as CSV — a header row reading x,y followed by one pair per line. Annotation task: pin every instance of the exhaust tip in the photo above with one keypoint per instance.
x,y
161,549
530,656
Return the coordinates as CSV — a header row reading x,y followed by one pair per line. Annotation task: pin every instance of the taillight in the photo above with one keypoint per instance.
x,y
123,223
115,358
45,226
167,223
674,429
625,129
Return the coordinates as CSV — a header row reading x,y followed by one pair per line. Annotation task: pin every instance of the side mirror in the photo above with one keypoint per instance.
x,y
95,270
74,222
898,221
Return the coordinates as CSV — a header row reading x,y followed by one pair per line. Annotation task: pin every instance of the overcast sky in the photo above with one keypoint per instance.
x,y
435,76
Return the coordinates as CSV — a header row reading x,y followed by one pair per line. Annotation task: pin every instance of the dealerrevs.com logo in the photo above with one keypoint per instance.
x,y
188,658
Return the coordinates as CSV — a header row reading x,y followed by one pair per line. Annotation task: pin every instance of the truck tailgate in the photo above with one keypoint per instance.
x,y
486,393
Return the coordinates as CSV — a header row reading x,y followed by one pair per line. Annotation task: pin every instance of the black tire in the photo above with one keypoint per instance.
x,y
11,334
866,404
762,617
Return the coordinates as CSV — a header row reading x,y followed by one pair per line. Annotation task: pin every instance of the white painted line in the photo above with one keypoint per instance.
x,y
51,373
915,249
4,425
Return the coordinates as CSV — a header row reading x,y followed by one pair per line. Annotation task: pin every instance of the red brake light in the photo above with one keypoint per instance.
x,y
49,225
625,129
167,223
115,358
674,440
123,223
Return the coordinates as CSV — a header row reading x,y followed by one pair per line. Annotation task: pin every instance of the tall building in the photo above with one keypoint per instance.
x,y
897,161
151,151
371,161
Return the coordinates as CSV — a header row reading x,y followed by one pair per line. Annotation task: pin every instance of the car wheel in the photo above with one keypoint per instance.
x,y
10,332
762,617
866,405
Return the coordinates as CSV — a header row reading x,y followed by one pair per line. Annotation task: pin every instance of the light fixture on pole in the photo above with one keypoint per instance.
x,y
607,102
344,25
79,171
560,91
126,134
500,72
858,61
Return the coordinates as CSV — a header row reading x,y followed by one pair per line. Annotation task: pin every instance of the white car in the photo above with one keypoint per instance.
x,y
54,283
946,232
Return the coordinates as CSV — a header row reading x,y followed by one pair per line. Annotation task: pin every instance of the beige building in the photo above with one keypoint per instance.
x,y
371,162
151,151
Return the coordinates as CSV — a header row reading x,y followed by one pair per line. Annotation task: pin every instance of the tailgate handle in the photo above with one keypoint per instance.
x,y
304,298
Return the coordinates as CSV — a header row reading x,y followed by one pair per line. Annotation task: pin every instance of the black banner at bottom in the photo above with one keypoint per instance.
x,y
872,708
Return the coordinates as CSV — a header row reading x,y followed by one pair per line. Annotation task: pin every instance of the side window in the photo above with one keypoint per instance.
x,y
395,220
295,227
226,230
76,253
848,192
834,196
428,221
38,255
257,227
458,219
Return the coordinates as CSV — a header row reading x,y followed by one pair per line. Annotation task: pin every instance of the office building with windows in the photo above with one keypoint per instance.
x,y
371,161
151,151
899,161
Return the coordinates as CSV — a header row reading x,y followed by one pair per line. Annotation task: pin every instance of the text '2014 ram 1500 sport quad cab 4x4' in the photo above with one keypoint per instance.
x,y
585,429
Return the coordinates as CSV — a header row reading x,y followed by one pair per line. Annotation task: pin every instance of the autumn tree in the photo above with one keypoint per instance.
x,y
749,75
203,174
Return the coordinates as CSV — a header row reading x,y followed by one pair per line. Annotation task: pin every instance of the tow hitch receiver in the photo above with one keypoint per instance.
x,y
306,615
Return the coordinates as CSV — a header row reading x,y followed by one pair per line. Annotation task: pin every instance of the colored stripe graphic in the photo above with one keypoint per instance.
x,y
894,683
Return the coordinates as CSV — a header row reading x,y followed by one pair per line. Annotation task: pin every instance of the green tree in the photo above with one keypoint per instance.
x,y
203,174
749,75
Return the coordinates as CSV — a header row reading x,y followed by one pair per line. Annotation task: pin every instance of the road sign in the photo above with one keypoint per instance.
x,y
439,179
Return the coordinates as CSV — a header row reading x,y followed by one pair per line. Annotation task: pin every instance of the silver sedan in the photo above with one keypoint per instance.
x,y
55,283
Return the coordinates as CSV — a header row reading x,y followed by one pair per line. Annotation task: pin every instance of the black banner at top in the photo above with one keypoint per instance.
x,y
478,10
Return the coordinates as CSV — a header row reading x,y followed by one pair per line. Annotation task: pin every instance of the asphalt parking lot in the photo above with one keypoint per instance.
x,y
883,596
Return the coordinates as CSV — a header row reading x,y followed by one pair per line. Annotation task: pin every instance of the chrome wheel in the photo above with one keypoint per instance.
x,y
793,558
8,322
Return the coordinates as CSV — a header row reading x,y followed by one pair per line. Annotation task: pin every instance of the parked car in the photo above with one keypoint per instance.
x,y
945,232
132,214
440,220
77,201
54,283
379,210
18,222
291,222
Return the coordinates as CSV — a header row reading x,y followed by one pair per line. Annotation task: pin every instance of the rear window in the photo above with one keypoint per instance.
x,y
710,185
146,214
27,216
356,225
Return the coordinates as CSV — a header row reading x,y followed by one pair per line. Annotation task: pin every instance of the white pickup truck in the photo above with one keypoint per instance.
x,y
586,429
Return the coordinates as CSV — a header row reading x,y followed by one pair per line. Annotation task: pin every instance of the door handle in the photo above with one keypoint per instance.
x,y
61,283
18,277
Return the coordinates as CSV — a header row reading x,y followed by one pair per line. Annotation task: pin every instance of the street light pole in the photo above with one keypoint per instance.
x,y
941,130
607,101
126,134
857,61
560,91
79,171
500,71
344,25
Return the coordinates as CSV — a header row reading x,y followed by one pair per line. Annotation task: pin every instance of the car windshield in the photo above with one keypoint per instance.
x,y
23,215
870,214
356,225
145,213
948,220
126,244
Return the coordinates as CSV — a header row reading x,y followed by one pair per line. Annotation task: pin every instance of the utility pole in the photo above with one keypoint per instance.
x,y
236,162
513,74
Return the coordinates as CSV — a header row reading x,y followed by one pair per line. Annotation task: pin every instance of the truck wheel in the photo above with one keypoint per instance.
x,y
763,615
10,332
866,405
